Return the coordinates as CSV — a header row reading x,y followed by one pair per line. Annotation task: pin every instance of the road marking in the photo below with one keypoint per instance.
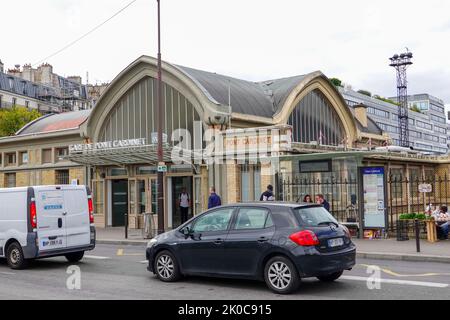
x,y
395,274
7,273
143,262
97,257
121,253
400,282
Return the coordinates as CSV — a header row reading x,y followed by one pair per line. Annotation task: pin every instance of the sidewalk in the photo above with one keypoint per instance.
x,y
369,249
403,250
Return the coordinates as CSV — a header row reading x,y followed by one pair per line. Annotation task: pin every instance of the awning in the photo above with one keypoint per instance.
x,y
121,156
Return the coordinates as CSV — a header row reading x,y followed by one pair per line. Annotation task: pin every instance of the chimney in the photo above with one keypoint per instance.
x,y
361,114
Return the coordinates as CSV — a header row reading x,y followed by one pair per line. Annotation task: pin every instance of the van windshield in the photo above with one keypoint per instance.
x,y
315,217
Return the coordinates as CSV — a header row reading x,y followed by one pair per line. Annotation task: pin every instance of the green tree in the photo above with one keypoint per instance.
x,y
336,82
365,92
12,120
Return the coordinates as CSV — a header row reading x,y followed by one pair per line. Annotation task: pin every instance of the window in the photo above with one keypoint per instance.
x,y
47,156
251,218
378,112
61,153
396,184
62,177
23,158
315,217
387,127
115,172
437,108
438,119
10,159
10,180
440,130
424,125
414,180
214,221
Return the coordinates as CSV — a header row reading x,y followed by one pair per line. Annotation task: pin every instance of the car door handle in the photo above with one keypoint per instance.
x,y
218,241
263,240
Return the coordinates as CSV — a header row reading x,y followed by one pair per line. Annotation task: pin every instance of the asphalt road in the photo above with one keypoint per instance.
x,y
119,272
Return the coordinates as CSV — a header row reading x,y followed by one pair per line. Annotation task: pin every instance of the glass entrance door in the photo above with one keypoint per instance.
x,y
119,202
182,189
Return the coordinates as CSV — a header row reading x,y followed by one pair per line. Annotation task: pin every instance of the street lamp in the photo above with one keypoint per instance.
x,y
160,129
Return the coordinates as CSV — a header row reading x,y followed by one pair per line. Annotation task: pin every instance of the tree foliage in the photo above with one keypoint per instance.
x,y
365,92
336,82
12,120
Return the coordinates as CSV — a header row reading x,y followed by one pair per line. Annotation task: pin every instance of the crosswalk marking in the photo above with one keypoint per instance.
x,y
400,282
97,257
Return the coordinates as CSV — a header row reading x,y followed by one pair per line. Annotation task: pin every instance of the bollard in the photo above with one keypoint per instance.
x,y
416,225
126,225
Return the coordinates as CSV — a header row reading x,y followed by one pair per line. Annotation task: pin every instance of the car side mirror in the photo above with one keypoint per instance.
x,y
186,232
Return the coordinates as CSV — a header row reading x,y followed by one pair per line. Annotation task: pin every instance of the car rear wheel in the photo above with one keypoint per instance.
x,y
331,277
15,257
166,267
75,256
281,276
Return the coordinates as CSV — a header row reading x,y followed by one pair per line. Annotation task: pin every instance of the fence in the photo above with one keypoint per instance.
x,y
340,193
404,196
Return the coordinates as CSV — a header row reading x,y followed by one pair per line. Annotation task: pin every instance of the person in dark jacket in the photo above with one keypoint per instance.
x,y
214,200
268,194
320,199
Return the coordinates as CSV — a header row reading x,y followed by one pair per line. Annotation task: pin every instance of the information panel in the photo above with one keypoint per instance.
x,y
374,197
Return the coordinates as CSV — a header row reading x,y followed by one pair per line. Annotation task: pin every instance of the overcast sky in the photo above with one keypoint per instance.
x,y
249,39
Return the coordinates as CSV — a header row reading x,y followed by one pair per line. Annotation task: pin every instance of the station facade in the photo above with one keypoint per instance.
x,y
236,135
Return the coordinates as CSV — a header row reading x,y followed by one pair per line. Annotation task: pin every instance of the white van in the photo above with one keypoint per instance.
x,y
45,221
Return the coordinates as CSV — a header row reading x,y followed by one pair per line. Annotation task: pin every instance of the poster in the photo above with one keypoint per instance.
x,y
374,197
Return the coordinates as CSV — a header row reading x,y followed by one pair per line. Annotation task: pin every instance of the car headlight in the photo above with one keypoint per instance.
x,y
151,243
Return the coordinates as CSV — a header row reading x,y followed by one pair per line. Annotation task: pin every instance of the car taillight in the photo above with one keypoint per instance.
x,y
305,238
91,210
33,215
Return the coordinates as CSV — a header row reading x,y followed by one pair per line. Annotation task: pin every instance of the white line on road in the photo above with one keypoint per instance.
x,y
400,282
143,262
97,257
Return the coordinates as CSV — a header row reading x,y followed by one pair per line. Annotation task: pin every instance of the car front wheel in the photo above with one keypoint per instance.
x,y
281,276
331,277
166,267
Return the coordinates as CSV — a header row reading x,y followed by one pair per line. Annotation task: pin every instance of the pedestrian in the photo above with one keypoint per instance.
x,y
214,200
442,219
307,199
184,201
320,199
268,194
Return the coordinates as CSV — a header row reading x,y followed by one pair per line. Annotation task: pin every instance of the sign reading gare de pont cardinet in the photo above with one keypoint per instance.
x,y
107,145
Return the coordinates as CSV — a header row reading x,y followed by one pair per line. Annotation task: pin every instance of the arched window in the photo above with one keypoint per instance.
x,y
314,119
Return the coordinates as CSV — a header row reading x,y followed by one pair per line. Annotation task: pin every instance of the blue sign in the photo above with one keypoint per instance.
x,y
374,197
53,207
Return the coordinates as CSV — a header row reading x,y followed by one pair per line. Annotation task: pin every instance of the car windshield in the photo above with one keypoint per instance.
x,y
315,217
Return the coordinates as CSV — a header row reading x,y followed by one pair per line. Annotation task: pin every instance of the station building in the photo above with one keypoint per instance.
x,y
112,148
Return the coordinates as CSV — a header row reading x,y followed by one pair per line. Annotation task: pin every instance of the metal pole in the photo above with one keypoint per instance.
x,y
416,224
160,129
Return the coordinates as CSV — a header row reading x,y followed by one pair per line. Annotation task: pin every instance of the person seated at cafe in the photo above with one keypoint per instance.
x,y
442,219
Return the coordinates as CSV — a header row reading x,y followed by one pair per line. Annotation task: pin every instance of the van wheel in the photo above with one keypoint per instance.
x,y
281,275
331,277
75,257
166,267
15,257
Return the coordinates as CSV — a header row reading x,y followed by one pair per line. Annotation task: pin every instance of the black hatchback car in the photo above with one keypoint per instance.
x,y
278,243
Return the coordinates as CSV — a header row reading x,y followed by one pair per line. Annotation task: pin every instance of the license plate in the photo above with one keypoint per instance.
x,y
333,243
52,243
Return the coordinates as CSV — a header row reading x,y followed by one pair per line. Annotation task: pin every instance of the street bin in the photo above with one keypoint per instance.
x,y
402,230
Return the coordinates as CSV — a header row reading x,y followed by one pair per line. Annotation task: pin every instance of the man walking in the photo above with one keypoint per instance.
x,y
320,199
185,203
214,200
268,194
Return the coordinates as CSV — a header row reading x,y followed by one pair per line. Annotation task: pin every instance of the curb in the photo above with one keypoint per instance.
x,y
402,257
140,243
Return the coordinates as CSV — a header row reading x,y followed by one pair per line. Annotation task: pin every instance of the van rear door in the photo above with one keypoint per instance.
x,y
50,218
78,227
